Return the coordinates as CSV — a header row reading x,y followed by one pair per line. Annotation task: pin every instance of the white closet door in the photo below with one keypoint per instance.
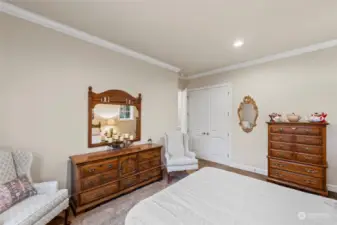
x,y
198,120
218,135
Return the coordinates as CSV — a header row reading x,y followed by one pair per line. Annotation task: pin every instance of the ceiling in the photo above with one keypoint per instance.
x,y
197,35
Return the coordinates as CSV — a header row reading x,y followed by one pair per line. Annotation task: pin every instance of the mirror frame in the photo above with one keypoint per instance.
x,y
113,97
248,100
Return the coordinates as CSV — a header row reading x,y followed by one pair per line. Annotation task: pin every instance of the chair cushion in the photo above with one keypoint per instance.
x,y
32,209
7,168
175,144
182,161
15,191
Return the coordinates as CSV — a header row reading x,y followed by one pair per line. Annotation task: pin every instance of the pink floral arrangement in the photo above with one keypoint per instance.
x,y
318,117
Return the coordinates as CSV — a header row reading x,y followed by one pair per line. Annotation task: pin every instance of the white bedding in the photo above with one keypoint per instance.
x,y
217,197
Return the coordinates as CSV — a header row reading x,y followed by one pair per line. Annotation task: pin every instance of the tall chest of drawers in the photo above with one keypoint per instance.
x,y
100,176
297,155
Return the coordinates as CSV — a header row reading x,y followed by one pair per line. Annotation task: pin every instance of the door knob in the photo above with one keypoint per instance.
x,y
203,133
207,133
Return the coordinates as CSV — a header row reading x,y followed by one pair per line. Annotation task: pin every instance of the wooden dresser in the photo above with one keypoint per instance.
x,y
101,176
297,155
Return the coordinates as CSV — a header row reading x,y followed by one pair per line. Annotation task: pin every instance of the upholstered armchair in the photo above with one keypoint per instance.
x,y
38,209
177,154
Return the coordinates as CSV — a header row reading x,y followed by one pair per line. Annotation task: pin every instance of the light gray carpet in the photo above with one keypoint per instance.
x,y
115,211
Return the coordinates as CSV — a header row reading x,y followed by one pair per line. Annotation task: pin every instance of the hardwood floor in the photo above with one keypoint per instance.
x,y
205,163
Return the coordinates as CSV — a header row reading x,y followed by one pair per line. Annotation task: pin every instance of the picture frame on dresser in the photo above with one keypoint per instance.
x,y
297,155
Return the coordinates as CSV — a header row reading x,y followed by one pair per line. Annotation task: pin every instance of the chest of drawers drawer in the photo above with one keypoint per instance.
x,y
308,158
98,193
99,167
144,156
150,164
300,139
149,174
312,131
99,179
308,181
309,140
310,149
297,168
283,154
128,182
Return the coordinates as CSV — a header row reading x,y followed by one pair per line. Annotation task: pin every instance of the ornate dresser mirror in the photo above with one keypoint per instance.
x,y
248,113
114,116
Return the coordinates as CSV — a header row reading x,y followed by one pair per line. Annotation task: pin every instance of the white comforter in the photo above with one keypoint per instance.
x,y
217,197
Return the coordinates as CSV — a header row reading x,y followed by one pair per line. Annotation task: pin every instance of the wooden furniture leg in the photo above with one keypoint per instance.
x,y
66,215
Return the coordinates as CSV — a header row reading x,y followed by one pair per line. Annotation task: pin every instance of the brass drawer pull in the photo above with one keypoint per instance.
x,y
294,128
310,170
91,170
307,148
110,166
278,165
310,182
307,157
278,174
281,129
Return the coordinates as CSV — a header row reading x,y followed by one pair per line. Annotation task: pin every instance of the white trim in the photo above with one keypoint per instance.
x,y
48,23
331,187
269,58
249,168
226,84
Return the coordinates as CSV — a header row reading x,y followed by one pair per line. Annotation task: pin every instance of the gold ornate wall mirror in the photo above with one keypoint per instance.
x,y
114,118
248,113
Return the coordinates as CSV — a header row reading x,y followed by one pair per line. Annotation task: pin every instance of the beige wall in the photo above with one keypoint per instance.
x,y
44,86
302,84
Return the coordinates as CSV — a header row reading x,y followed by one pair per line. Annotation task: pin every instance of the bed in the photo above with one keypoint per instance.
x,y
216,197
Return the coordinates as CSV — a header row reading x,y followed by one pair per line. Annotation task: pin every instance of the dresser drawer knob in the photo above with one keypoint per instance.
x,y
278,174
307,148
294,128
110,166
278,165
281,129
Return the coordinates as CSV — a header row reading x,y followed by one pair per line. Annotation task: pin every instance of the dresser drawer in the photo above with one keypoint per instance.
x,y
298,168
307,181
281,146
313,131
282,154
309,140
282,130
149,174
311,149
128,182
99,193
100,167
282,138
144,156
308,158
93,181
150,164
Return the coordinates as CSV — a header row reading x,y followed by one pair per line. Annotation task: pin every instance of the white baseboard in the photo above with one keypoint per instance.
x,y
331,187
249,168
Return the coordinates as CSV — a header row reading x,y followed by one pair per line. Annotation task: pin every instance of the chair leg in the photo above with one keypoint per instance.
x,y
169,178
66,215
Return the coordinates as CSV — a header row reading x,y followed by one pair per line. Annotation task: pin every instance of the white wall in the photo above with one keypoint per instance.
x,y
303,84
44,85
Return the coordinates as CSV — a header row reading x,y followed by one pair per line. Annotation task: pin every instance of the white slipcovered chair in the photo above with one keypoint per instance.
x,y
177,154
39,209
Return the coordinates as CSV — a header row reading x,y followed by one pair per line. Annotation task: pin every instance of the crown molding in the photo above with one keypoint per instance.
x,y
48,23
269,58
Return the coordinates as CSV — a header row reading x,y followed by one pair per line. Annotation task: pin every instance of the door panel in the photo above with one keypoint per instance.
x,y
219,124
209,123
198,119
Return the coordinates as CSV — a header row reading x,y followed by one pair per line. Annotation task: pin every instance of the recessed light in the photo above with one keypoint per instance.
x,y
238,43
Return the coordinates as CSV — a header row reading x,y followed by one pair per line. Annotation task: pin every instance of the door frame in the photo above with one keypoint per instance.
x,y
230,91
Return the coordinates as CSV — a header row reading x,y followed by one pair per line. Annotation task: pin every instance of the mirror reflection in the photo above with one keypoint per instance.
x,y
248,114
114,123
